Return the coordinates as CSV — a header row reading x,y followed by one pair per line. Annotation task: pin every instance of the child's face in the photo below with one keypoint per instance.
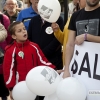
x,y
20,33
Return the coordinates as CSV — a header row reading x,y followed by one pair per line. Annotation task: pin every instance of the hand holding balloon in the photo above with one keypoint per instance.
x,y
55,27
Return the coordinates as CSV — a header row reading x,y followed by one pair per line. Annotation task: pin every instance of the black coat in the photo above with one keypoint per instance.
x,y
50,46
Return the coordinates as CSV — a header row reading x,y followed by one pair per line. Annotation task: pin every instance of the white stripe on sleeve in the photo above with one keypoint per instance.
x,y
12,65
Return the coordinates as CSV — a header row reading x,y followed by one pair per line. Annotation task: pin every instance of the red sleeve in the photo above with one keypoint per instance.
x,y
6,22
9,69
42,60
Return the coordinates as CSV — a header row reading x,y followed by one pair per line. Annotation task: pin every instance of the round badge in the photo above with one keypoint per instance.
x,y
21,54
49,30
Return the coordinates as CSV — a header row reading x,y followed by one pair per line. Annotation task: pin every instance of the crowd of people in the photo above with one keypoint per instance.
x,y
25,43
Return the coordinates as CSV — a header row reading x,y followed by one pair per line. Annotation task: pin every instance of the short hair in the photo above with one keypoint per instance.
x,y
11,28
15,1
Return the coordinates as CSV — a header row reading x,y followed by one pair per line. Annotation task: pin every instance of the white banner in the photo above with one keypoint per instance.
x,y
85,66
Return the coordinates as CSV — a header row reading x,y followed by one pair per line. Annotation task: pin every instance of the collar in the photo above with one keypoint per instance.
x,y
20,44
31,10
15,15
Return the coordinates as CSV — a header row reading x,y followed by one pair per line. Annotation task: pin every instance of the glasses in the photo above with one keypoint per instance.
x,y
10,4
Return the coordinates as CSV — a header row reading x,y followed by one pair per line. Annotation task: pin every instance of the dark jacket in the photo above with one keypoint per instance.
x,y
50,46
12,18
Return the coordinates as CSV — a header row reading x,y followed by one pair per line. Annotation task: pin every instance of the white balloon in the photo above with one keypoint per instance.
x,y
49,10
42,80
71,89
21,92
46,98
53,96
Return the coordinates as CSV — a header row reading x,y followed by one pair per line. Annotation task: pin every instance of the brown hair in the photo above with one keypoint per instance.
x,y
11,28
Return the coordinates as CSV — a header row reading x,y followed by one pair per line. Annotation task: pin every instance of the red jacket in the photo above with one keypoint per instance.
x,y
15,68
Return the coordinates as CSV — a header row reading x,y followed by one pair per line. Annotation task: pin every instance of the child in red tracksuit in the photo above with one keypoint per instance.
x,y
21,56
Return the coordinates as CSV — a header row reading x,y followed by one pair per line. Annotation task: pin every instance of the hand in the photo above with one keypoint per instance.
x,y
11,95
60,71
79,39
55,27
66,74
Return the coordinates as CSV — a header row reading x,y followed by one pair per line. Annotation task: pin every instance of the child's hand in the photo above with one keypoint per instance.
x,y
60,71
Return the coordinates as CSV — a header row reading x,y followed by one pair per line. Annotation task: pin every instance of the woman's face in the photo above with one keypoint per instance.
x,y
82,3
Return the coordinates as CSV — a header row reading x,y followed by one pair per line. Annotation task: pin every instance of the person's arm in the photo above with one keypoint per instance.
x,y
88,37
41,59
69,52
92,38
9,69
58,33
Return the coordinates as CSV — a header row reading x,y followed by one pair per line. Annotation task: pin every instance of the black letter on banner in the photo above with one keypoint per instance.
x,y
86,58
75,64
95,67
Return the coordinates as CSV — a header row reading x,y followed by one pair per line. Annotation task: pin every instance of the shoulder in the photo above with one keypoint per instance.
x,y
34,44
5,17
9,47
26,9
36,17
60,21
77,14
